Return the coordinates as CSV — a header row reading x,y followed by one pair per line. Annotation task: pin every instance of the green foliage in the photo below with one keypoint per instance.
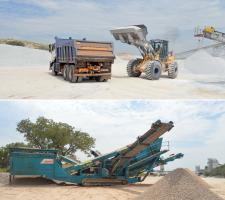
x,y
3,170
47,134
219,171
4,153
15,43
24,43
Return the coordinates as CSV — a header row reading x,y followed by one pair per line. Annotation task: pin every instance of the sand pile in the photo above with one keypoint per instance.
x,y
15,56
119,67
202,62
181,184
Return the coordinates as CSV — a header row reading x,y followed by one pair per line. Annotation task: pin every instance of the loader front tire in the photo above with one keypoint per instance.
x,y
173,70
131,68
153,70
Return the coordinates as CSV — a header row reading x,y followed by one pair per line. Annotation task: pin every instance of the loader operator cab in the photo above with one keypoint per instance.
x,y
161,47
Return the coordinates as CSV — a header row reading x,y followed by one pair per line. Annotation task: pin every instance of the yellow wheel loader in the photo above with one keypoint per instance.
x,y
155,55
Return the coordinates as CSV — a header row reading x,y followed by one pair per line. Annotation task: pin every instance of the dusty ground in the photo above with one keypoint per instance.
x,y
24,74
218,185
38,83
27,189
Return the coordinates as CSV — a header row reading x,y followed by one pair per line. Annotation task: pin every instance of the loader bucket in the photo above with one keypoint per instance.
x,y
130,34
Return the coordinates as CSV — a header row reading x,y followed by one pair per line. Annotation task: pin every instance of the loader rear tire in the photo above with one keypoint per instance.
x,y
153,70
173,70
132,64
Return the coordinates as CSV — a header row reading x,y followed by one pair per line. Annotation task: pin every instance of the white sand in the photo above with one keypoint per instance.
x,y
24,73
203,63
15,56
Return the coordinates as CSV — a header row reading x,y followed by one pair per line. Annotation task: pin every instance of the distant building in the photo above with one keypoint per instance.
x,y
197,169
212,163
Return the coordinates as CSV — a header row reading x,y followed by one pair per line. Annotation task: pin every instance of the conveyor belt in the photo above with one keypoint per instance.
x,y
158,128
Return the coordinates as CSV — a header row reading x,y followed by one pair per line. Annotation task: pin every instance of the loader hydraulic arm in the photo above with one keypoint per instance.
x,y
134,35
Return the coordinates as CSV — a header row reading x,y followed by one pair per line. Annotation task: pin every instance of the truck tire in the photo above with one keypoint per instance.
x,y
65,72
79,79
101,79
71,77
173,70
131,68
153,70
54,72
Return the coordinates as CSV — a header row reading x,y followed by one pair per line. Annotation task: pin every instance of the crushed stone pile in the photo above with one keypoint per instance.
x,y
4,178
181,184
15,56
202,62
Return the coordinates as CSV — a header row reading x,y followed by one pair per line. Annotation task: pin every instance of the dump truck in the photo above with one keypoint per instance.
x,y
130,164
79,59
156,57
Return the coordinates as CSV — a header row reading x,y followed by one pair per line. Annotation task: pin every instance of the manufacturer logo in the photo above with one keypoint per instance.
x,y
47,161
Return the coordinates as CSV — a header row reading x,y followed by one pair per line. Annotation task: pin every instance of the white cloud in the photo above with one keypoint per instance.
x,y
93,19
47,4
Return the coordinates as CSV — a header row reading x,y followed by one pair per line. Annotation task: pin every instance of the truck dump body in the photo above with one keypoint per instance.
x,y
78,59
93,50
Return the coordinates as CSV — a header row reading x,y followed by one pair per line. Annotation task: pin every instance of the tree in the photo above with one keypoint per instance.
x,y
4,153
218,171
47,134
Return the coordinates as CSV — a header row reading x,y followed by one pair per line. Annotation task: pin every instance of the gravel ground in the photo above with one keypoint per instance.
x,y
181,184
28,77
37,188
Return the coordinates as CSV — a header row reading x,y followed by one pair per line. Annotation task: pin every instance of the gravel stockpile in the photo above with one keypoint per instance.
x,y
202,62
181,184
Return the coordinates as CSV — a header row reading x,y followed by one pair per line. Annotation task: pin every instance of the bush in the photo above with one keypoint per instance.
x,y
219,171
15,43
3,170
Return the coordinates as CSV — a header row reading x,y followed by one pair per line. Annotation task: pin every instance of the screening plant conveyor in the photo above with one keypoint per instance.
x,y
130,164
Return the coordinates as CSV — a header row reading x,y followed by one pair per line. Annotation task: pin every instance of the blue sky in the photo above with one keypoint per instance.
x,y
198,132
41,20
